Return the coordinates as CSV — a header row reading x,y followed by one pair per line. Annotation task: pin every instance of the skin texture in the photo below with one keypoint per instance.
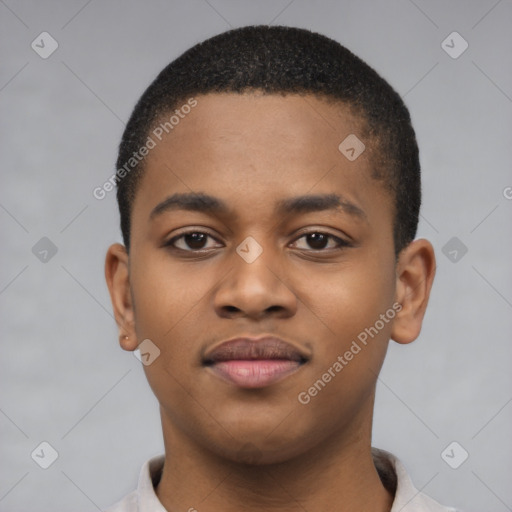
x,y
229,448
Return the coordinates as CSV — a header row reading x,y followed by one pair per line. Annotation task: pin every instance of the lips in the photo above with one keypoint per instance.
x,y
254,363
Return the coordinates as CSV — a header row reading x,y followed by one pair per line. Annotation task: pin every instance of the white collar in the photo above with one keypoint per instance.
x,y
391,470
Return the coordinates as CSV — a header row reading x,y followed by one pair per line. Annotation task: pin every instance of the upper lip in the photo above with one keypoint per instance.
x,y
248,348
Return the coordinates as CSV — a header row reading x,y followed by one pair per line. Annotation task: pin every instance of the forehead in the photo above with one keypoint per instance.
x,y
252,149
292,123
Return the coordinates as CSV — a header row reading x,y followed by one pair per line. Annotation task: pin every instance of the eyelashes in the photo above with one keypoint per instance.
x,y
192,238
321,236
195,241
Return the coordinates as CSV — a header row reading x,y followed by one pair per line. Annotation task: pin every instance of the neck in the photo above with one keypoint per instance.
x,y
340,474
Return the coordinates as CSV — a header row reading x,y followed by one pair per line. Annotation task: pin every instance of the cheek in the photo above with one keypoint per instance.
x,y
353,349
353,298
170,301
164,294
166,301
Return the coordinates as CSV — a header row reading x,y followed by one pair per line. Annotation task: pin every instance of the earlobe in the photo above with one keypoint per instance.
x,y
118,282
415,275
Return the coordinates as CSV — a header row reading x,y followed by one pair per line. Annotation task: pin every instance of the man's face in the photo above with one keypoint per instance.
x,y
325,274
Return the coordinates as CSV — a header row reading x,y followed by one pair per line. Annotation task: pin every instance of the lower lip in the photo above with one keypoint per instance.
x,y
255,374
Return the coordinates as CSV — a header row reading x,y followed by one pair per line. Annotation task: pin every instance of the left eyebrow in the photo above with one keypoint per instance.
x,y
319,202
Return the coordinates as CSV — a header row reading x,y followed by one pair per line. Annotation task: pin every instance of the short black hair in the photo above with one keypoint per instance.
x,y
284,60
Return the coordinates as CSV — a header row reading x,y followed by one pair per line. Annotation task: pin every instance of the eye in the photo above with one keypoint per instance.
x,y
191,241
319,241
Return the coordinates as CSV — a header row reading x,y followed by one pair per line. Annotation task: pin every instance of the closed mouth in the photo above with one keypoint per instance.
x,y
250,350
254,363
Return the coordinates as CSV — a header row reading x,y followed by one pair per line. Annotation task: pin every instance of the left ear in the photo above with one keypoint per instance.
x,y
415,272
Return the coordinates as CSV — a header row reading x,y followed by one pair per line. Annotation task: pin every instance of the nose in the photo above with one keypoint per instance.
x,y
255,290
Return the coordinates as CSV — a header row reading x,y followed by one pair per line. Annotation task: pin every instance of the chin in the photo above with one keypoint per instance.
x,y
260,448
252,455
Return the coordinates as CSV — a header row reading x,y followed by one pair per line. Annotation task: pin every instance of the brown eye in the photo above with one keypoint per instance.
x,y
191,241
318,241
195,240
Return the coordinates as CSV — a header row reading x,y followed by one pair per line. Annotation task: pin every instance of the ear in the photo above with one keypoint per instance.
x,y
118,282
415,272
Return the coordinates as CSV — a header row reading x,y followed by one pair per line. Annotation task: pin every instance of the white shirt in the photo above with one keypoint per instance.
x,y
391,471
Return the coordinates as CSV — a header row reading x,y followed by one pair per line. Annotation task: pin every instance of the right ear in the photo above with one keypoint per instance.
x,y
118,282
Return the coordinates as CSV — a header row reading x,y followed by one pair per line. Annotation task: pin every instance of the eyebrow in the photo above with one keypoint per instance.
x,y
319,202
206,203
190,201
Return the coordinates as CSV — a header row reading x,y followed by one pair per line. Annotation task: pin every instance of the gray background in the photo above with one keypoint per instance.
x,y
64,378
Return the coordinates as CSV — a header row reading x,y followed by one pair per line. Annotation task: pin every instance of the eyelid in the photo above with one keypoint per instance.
x,y
193,229
325,230
170,242
341,242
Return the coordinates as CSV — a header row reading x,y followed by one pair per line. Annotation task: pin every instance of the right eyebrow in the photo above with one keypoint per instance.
x,y
191,201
